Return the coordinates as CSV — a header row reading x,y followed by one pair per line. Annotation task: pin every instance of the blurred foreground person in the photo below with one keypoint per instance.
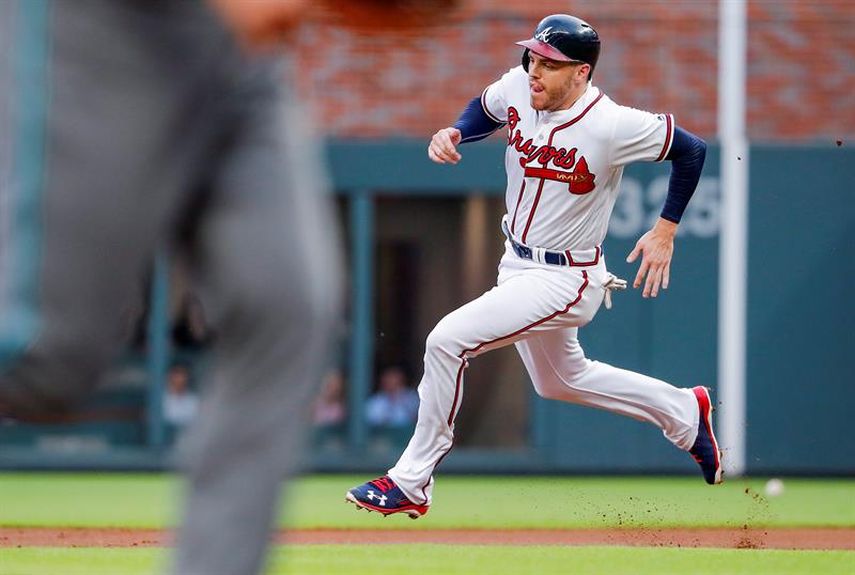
x,y
130,125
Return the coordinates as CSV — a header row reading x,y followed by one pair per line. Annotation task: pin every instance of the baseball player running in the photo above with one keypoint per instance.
x,y
568,144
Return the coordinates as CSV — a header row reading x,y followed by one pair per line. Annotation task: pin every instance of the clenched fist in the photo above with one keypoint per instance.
x,y
443,146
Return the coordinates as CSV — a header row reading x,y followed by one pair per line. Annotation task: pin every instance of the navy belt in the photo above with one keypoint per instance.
x,y
554,258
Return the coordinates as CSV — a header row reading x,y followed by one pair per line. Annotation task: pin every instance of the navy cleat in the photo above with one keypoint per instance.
x,y
705,450
383,496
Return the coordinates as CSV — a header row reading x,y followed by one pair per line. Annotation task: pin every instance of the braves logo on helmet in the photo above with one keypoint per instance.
x,y
543,35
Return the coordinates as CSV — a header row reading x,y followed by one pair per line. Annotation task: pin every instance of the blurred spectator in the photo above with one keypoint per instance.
x,y
180,402
330,408
190,330
395,404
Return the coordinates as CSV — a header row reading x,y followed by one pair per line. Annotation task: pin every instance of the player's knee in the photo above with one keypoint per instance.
x,y
550,391
564,384
555,387
441,340
575,365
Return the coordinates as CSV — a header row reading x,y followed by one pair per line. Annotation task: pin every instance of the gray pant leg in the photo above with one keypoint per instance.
x,y
103,132
269,269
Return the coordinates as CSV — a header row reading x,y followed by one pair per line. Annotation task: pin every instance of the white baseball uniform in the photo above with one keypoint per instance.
x,y
564,170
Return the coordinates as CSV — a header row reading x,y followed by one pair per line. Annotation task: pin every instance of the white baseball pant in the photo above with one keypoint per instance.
x,y
539,308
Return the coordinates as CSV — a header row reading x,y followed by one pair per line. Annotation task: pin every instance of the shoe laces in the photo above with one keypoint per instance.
x,y
384,483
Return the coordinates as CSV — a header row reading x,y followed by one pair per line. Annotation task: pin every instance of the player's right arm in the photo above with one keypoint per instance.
x,y
482,116
473,124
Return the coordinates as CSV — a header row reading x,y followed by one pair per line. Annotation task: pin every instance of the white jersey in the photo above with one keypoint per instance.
x,y
564,168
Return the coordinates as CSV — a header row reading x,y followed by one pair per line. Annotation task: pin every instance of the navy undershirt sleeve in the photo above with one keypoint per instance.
x,y
474,123
687,160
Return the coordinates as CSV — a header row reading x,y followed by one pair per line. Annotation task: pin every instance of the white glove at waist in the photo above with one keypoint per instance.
x,y
612,283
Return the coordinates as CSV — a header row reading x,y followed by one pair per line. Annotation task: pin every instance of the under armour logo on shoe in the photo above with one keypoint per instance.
x,y
381,498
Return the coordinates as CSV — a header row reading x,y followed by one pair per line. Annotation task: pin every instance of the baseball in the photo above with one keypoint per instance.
x,y
774,487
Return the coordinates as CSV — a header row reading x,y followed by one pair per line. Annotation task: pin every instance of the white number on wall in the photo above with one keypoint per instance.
x,y
637,209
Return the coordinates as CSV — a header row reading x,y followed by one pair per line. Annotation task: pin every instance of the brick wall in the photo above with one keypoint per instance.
x,y
659,55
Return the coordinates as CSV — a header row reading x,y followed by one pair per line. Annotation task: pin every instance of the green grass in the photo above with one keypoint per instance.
x,y
31,499
86,500
543,502
453,560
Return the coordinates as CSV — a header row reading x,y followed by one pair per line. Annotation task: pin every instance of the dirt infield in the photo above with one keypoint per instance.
x,y
734,538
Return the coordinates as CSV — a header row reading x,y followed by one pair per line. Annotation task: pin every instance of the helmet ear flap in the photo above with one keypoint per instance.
x,y
525,60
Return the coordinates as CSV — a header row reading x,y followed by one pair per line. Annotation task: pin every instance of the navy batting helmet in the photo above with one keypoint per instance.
x,y
563,38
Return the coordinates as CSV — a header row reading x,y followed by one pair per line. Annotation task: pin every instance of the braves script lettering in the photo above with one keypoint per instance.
x,y
579,181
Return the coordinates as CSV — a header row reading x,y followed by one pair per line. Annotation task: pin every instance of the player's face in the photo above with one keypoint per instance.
x,y
555,85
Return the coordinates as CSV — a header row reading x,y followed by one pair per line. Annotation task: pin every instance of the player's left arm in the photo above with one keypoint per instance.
x,y
656,247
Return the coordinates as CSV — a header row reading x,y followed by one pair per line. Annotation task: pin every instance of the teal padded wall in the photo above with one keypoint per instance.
x,y
801,311
801,356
